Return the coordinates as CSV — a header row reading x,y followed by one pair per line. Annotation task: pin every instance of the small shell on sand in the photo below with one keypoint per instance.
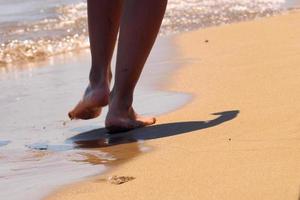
x,y
117,180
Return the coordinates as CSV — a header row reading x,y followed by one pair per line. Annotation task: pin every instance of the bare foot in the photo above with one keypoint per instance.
x,y
121,121
95,97
91,104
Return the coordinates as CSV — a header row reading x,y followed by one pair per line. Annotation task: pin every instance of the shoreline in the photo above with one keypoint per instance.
x,y
38,142
13,47
248,150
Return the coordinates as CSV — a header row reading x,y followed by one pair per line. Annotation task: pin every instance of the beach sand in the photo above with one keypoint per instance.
x,y
248,75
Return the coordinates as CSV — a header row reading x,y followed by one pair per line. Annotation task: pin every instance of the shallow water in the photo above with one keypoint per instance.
x,y
33,30
39,147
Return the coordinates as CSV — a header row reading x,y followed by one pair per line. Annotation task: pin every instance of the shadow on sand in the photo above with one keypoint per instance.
x,y
100,138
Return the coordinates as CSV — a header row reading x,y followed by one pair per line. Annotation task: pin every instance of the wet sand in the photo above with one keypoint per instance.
x,y
237,139
40,149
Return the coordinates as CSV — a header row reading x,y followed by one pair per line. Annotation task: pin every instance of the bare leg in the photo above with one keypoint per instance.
x,y
140,24
103,20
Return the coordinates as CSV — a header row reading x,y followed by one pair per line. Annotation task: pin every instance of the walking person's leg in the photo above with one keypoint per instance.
x,y
140,23
103,22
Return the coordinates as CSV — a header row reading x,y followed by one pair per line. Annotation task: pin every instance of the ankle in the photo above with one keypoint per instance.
x,y
120,102
99,78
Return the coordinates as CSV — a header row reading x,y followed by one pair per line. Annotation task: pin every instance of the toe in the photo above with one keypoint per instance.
x,y
115,124
71,115
80,112
134,124
146,121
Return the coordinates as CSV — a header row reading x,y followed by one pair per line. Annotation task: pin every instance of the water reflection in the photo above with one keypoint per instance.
x,y
45,166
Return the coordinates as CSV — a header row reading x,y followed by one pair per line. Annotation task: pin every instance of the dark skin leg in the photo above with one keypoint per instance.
x,y
103,21
140,23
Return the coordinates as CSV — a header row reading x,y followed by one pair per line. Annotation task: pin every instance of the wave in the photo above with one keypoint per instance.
x,y
66,29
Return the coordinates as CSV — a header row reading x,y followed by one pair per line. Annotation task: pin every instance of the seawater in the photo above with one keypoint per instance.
x,y
35,30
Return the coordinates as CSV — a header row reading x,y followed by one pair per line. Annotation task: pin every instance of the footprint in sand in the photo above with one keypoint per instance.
x,y
117,180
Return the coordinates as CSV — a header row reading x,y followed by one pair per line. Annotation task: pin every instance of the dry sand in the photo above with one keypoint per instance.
x,y
251,67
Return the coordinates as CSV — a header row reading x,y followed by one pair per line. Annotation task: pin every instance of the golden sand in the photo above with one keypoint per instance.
x,y
249,73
